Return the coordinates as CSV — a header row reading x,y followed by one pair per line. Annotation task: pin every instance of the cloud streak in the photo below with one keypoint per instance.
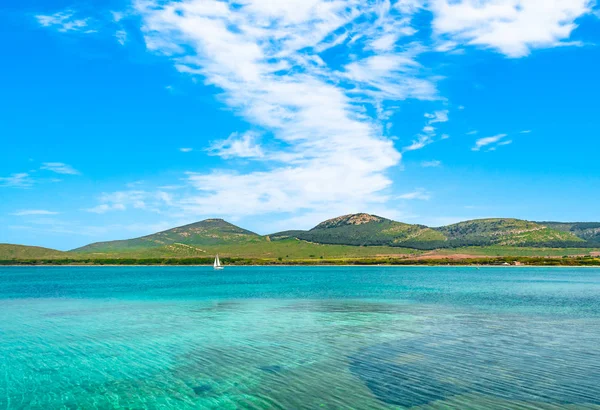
x,y
59,168
491,142
18,180
29,212
65,21
265,58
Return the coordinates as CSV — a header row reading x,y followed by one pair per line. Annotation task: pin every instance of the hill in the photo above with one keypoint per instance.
x,y
366,230
507,232
372,230
187,239
588,231
9,252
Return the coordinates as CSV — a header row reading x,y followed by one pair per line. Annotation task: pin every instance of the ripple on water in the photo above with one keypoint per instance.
x,y
505,360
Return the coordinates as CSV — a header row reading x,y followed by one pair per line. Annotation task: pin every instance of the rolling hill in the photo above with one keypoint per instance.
x,y
371,230
9,252
588,231
188,239
357,235
507,232
365,230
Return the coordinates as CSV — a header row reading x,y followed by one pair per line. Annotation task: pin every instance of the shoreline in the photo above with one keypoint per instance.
x,y
323,265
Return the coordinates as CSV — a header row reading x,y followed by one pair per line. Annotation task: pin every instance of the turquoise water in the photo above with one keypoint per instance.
x,y
299,337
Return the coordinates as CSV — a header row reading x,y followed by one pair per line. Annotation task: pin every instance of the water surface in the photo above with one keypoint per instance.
x,y
299,337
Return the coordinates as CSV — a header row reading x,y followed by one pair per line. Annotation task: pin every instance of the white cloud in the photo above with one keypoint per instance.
x,y
64,21
429,131
104,208
236,146
474,132
526,132
513,27
431,164
186,149
417,194
121,36
28,212
496,139
421,142
19,180
264,56
437,116
132,199
59,168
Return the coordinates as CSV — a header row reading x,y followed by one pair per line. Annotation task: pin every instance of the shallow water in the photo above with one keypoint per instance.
x,y
299,337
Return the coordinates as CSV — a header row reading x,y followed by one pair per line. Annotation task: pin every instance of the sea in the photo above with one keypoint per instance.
x,y
299,338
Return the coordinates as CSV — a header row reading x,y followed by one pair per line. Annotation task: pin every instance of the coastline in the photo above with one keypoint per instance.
x,y
504,262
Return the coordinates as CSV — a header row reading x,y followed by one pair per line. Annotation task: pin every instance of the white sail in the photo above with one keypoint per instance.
x,y
217,263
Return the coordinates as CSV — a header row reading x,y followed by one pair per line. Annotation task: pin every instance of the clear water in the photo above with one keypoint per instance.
x,y
299,337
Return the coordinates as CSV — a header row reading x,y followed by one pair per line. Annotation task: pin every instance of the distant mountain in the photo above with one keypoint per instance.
x,y
202,239
371,230
588,231
9,251
366,230
184,238
507,232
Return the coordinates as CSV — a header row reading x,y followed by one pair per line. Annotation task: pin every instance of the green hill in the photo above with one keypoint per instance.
x,y
9,252
588,231
366,230
188,239
371,230
507,232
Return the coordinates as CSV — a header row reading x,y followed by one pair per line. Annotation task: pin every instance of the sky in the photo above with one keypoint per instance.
x,y
121,118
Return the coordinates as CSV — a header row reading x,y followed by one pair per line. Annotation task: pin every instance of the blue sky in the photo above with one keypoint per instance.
x,y
124,118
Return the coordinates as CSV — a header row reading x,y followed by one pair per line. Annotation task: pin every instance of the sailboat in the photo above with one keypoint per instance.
x,y
217,264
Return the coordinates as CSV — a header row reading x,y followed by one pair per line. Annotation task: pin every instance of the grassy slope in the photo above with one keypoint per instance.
x,y
285,249
196,235
589,231
366,230
8,251
507,232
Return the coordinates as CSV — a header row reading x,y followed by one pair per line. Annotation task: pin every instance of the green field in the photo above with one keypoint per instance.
x,y
285,249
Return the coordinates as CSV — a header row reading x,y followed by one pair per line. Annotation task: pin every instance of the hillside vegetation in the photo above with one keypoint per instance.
x,y
366,230
8,252
507,232
369,230
588,231
343,238
183,238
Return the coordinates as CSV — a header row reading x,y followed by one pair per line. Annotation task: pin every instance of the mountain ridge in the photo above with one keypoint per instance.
x,y
202,238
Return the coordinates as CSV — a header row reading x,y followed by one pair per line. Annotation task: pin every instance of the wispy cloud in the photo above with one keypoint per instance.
x,y
239,146
513,27
186,149
19,180
437,116
59,168
104,208
431,164
121,36
421,194
151,201
29,212
265,57
65,21
429,131
496,140
526,132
